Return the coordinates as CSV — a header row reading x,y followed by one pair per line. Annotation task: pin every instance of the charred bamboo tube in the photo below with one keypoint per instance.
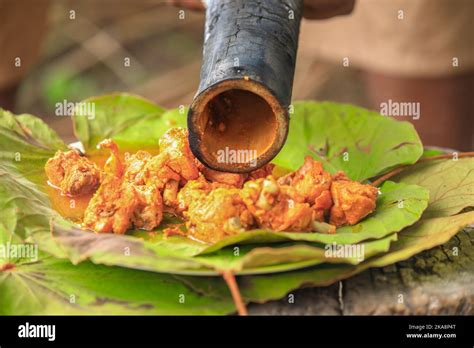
x,y
238,120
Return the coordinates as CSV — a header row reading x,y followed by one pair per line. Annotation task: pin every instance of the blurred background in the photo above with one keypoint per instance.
x,y
85,46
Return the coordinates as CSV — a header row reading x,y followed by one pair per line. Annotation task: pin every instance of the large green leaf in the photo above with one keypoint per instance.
x,y
360,142
29,131
129,252
133,122
146,133
52,286
47,287
26,143
424,235
451,184
261,288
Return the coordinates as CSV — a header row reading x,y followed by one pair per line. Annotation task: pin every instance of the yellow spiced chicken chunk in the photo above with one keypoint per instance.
x,y
312,185
231,179
72,173
179,158
195,189
123,199
220,213
352,200
276,207
173,167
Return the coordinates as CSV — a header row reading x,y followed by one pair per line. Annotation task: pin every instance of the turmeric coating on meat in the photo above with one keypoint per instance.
x,y
72,173
352,200
124,199
233,179
277,207
135,192
218,214
312,185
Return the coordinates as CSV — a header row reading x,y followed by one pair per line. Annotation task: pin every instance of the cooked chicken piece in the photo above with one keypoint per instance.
x,y
111,209
216,215
112,206
123,199
72,173
195,189
261,172
234,179
149,212
179,158
352,200
231,179
277,207
182,161
173,166
157,171
136,167
313,185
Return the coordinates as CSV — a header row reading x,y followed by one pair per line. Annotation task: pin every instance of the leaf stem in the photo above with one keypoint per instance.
x,y
234,290
397,170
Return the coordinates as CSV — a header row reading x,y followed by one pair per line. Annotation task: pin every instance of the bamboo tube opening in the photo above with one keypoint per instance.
x,y
238,120
238,126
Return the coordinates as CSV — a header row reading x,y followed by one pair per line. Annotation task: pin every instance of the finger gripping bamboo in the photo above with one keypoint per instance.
x,y
238,120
